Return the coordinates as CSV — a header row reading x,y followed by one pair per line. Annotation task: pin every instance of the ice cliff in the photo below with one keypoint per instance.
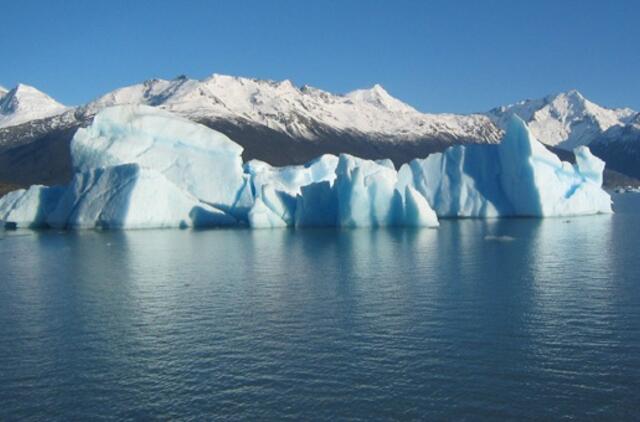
x,y
140,167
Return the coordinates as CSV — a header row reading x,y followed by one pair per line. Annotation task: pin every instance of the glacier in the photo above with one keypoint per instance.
x,y
140,167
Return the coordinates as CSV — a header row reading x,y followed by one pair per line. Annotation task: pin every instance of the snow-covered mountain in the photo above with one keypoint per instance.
x,y
294,111
283,124
564,120
3,91
25,103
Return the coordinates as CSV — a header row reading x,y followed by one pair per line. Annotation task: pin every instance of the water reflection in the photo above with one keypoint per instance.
x,y
455,322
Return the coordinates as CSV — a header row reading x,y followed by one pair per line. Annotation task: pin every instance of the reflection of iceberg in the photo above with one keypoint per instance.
x,y
137,166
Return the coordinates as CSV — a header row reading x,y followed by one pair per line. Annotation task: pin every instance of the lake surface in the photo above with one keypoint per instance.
x,y
501,319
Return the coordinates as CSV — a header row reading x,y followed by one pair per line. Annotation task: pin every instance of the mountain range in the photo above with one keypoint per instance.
x,y
283,124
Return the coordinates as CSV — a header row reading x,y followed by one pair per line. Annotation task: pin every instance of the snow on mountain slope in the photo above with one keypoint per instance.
x,y
282,124
3,91
628,133
565,120
25,103
283,107
619,146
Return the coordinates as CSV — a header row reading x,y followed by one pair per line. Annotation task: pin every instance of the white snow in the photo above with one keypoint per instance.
x,y
25,103
295,111
623,134
566,120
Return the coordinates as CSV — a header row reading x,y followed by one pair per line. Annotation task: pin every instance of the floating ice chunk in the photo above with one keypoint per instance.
x,y
290,179
538,184
129,196
365,192
181,174
518,177
316,206
272,209
588,165
418,213
463,181
29,208
263,217
197,159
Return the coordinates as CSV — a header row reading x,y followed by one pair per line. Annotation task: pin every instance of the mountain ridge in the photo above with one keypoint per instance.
x,y
282,106
278,122
566,119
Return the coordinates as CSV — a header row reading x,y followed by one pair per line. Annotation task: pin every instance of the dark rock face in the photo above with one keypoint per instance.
x,y
39,153
279,149
623,157
45,159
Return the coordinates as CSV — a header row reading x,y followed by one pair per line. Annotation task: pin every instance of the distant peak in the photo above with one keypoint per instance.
x,y
379,97
220,78
24,103
22,90
377,88
286,84
30,97
574,93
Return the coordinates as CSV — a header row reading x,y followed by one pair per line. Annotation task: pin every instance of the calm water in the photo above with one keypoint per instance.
x,y
317,324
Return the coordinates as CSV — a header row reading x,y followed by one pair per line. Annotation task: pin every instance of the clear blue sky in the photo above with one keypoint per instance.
x,y
458,56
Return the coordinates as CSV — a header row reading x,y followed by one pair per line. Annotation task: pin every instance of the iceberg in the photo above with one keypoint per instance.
x,y
130,196
291,179
140,167
345,191
29,208
517,178
201,161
